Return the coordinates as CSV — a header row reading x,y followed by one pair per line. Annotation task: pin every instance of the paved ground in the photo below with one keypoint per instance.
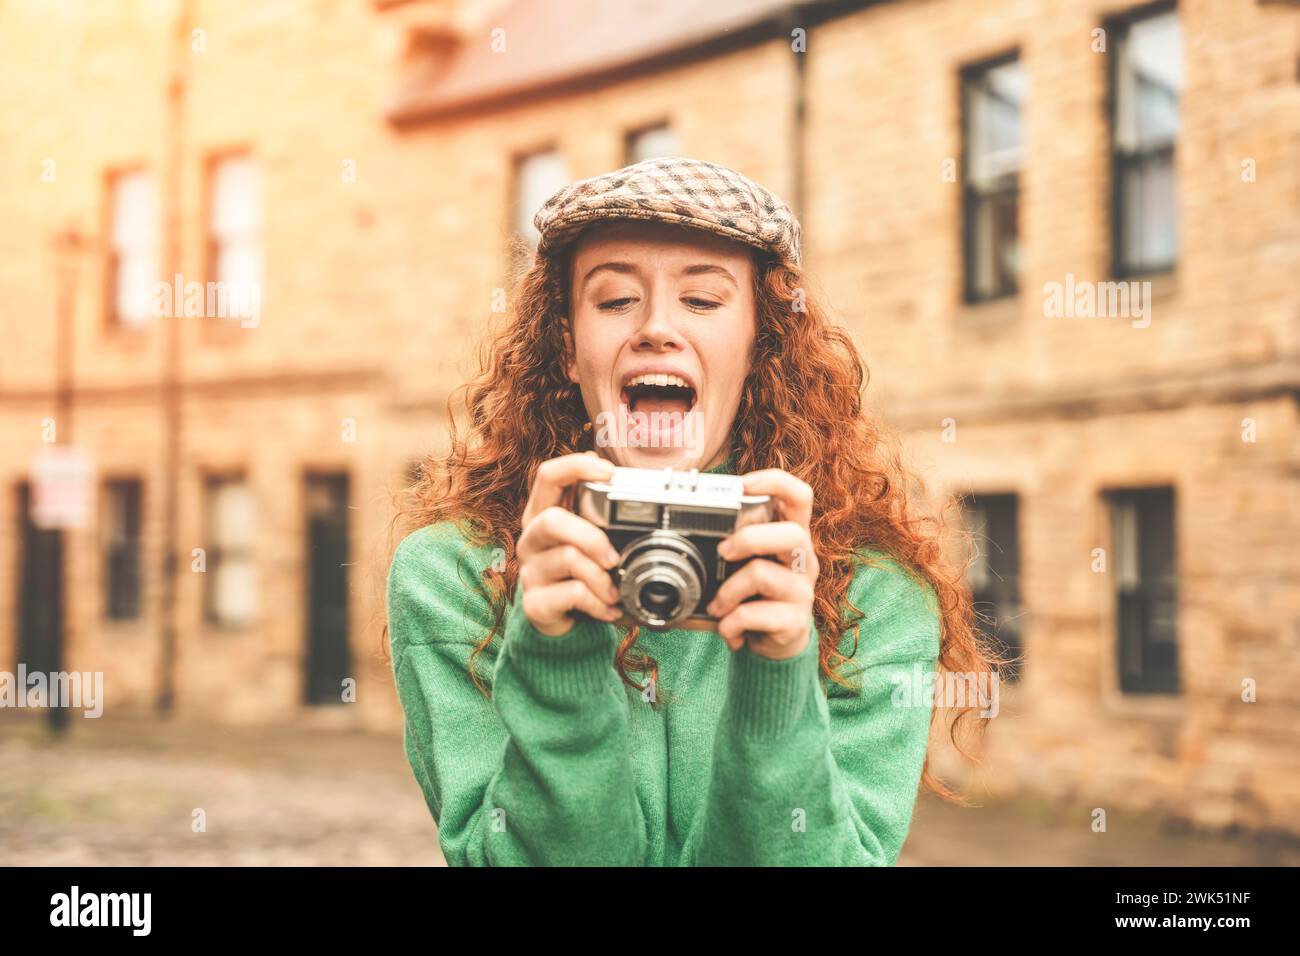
x,y
1029,832
124,793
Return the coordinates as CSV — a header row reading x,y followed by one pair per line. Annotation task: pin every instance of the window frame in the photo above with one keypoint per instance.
x,y
135,604
1008,609
1146,681
112,319
1117,30
631,136
521,244
215,554
229,325
973,194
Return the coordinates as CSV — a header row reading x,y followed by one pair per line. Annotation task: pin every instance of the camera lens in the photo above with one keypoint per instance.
x,y
662,578
660,598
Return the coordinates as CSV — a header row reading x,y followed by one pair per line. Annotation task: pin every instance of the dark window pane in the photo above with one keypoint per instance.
x,y
1148,212
995,247
1144,569
994,575
122,549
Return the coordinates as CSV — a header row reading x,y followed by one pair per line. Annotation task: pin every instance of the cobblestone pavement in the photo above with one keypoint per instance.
x,y
124,793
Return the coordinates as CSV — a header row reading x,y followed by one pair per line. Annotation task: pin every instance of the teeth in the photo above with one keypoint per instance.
x,y
658,379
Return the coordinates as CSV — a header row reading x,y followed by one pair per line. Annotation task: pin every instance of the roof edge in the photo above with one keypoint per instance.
x,y
806,13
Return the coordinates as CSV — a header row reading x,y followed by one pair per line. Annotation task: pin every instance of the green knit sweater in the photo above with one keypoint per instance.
x,y
729,759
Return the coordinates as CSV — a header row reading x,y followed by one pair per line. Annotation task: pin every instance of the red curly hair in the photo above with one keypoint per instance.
x,y
801,411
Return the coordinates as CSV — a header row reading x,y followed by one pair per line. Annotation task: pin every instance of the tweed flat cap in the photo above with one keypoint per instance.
x,y
688,192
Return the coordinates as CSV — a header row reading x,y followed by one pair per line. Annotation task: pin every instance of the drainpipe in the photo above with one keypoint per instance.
x,y
173,127
67,247
799,105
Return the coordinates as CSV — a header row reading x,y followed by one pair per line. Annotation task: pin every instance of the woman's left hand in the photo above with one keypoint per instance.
x,y
779,624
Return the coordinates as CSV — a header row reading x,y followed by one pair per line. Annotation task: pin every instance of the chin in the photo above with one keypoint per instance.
x,y
682,459
678,458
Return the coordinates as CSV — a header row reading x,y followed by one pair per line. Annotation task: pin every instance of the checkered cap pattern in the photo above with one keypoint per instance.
x,y
689,192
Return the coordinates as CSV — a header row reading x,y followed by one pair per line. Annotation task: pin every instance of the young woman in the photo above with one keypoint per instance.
x,y
540,731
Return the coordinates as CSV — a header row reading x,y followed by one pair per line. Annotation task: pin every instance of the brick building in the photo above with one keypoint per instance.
x,y
975,179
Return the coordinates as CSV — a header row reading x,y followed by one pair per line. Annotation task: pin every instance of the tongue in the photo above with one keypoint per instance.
x,y
661,404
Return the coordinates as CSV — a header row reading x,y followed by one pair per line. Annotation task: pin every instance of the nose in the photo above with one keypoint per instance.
x,y
657,331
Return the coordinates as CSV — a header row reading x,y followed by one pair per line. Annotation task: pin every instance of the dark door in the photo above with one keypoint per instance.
x,y
329,659
40,598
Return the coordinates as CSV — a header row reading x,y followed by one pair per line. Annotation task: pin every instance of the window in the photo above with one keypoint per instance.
x,y
122,548
235,237
537,176
231,573
994,574
650,142
132,267
1145,573
1147,81
992,94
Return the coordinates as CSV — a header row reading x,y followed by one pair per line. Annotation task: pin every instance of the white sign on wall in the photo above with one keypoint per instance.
x,y
61,488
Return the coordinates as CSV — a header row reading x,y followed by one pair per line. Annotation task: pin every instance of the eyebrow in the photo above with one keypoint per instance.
x,y
702,268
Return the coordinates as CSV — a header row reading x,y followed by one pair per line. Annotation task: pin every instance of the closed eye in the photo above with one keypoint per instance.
x,y
615,305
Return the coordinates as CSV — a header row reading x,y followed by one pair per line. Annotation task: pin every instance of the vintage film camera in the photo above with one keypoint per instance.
x,y
666,526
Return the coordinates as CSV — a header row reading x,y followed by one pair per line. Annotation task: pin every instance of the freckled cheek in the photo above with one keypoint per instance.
x,y
731,396
596,361
725,371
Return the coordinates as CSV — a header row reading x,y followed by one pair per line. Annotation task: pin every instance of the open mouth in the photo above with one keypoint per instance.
x,y
659,393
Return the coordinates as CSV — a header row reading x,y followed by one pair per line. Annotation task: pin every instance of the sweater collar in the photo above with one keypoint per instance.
x,y
728,467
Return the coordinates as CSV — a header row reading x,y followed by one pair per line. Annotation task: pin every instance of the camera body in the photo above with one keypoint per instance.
x,y
666,526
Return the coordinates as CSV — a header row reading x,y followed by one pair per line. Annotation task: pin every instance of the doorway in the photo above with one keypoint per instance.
x,y
40,598
329,658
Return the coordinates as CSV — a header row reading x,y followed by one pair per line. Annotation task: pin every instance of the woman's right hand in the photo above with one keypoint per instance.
x,y
564,560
